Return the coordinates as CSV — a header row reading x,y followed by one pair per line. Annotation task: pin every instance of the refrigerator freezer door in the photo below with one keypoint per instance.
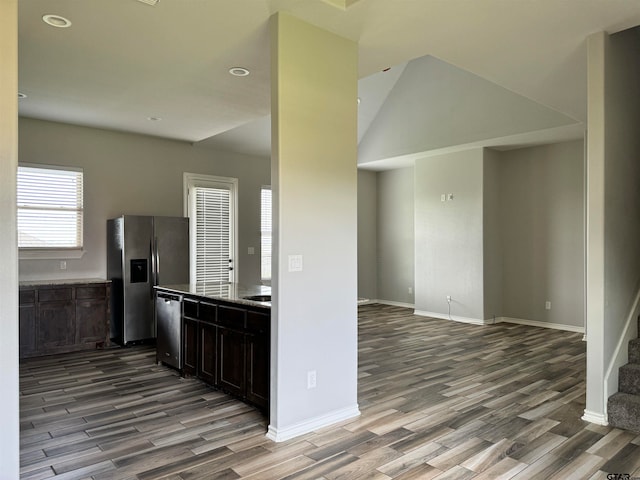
x,y
171,252
139,322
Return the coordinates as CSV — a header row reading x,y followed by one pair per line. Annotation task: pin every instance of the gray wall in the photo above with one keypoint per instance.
x,y
448,235
367,235
511,239
138,175
542,230
395,232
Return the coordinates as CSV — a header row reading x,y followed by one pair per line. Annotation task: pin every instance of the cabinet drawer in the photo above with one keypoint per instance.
x,y
231,317
27,296
91,292
207,312
258,322
189,308
54,294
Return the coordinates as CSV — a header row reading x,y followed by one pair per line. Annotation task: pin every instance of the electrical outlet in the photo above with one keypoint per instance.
x,y
410,290
311,379
63,265
547,305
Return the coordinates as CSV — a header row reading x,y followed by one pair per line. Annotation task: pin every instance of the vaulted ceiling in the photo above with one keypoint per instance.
x,y
163,70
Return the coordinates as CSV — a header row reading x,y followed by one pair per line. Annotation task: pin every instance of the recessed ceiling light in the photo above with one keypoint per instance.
x,y
154,119
56,21
239,72
22,95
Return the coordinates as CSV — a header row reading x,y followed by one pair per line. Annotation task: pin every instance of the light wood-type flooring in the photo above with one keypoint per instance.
x,y
439,400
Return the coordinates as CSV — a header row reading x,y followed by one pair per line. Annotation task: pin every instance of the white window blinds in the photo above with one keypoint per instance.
x,y
213,234
50,207
265,233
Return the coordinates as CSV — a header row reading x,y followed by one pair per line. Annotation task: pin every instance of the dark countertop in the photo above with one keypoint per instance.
x,y
229,292
60,282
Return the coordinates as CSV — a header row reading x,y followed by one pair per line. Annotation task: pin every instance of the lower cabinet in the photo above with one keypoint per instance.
x,y
207,359
258,348
57,318
190,343
231,366
228,347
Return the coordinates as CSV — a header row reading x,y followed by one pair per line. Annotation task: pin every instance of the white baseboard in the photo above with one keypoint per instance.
x,y
395,304
391,303
536,323
455,318
593,417
312,424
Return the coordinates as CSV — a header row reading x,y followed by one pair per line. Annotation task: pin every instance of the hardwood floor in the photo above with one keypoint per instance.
x,y
438,399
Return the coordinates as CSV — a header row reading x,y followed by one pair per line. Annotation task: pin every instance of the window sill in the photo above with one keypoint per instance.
x,y
49,253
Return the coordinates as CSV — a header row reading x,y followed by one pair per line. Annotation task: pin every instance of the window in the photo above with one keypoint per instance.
x,y
50,207
265,233
211,209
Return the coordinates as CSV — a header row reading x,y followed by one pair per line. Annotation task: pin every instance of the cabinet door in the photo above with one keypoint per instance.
x,y
258,341
91,321
190,346
231,361
28,335
258,369
56,325
207,366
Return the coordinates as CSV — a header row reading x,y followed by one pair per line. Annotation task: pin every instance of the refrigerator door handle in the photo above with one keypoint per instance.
x,y
156,267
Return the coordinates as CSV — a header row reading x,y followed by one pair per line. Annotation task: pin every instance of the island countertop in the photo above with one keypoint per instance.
x,y
228,292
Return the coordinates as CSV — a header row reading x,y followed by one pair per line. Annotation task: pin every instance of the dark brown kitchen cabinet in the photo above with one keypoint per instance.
x,y
227,345
208,357
56,325
63,317
28,335
231,361
190,350
258,347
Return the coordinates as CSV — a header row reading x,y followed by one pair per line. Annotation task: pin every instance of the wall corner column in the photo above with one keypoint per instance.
x,y
9,373
314,83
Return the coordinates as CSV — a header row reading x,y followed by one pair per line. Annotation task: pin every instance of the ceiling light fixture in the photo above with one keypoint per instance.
x,y
154,119
22,95
56,21
239,72
153,3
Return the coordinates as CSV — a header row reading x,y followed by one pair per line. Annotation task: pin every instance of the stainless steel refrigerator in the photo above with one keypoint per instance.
x,y
142,252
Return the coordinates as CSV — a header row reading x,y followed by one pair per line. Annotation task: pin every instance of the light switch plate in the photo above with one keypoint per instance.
x,y
295,263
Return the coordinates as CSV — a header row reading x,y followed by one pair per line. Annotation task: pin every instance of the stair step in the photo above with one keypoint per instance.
x,y
623,411
629,378
634,351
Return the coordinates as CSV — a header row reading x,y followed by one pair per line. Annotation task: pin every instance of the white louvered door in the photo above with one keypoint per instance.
x,y
211,210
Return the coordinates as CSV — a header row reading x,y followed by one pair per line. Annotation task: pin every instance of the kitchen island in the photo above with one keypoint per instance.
x,y
224,335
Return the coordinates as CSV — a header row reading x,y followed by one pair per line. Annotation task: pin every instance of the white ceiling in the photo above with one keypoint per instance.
x,y
123,61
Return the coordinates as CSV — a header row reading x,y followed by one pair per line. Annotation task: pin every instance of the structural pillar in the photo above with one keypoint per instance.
x,y
314,182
